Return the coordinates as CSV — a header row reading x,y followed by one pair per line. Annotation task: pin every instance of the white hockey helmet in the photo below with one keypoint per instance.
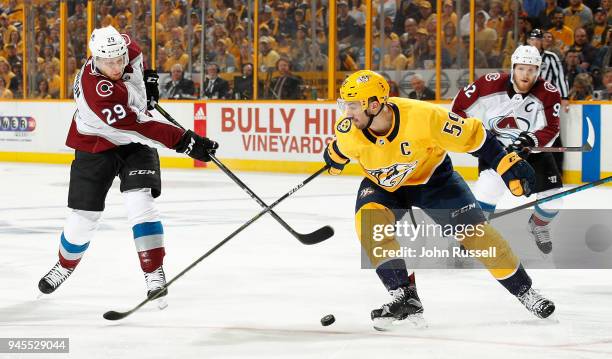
x,y
107,43
527,55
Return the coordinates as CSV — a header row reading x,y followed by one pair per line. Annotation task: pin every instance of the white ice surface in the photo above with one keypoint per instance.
x,y
263,293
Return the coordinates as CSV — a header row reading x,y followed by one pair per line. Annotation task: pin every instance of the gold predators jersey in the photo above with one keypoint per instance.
x,y
416,144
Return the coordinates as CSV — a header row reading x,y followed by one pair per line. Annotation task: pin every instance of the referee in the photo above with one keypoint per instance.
x,y
552,71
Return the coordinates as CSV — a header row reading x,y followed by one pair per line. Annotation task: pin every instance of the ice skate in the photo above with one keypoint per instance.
x,y
541,235
52,280
406,307
156,282
536,303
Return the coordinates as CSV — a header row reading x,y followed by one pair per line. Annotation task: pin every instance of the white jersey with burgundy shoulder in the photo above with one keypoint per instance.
x,y
507,114
114,113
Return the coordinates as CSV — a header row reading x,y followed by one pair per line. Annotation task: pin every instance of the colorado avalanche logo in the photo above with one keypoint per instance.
x,y
492,76
508,126
104,88
127,39
550,87
393,175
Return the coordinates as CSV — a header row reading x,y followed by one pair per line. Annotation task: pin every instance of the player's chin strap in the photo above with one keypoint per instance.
x,y
372,116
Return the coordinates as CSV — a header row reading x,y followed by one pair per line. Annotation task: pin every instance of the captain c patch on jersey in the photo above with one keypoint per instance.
x,y
390,176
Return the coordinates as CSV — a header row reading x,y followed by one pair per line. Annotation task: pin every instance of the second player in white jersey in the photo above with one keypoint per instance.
x,y
522,110
509,114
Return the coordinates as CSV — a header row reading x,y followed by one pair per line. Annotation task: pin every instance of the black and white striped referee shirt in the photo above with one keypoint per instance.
x,y
552,71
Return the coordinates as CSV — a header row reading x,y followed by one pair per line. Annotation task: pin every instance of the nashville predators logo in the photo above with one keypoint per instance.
x,y
366,192
363,79
393,175
344,126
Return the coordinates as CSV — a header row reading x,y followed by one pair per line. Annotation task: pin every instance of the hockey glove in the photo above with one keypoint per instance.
x,y
518,175
522,143
196,147
334,159
151,80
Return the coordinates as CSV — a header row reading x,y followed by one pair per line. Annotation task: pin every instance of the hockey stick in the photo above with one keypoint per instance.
x,y
317,236
553,197
587,147
113,315
584,148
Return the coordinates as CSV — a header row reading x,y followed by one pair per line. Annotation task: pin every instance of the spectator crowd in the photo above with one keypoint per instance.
x,y
293,42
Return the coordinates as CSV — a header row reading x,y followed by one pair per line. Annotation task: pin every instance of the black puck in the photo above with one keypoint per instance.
x,y
328,320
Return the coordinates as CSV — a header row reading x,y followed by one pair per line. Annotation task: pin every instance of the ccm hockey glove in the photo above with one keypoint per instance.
x,y
518,175
334,159
196,147
151,80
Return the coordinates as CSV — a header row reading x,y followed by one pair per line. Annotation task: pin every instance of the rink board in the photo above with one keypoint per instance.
x,y
266,136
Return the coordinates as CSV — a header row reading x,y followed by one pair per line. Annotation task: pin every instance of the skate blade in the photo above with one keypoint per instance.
x,y
161,303
383,324
416,321
551,319
545,256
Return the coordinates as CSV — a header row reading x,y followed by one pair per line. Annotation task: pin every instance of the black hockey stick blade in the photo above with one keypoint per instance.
x,y
587,147
112,315
317,236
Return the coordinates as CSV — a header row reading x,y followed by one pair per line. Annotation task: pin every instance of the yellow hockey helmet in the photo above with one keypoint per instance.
x,y
361,87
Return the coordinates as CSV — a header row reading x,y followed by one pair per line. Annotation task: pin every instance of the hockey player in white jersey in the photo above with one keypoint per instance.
x,y
522,110
111,132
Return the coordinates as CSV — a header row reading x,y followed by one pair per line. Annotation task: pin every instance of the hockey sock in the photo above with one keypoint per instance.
x,y
149,240
70,254
394,274
147,228
544,213
78,231
518,282
542,217
487,208
505,266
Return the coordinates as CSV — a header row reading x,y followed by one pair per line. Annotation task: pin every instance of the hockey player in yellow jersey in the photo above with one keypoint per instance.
x,y
401,146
